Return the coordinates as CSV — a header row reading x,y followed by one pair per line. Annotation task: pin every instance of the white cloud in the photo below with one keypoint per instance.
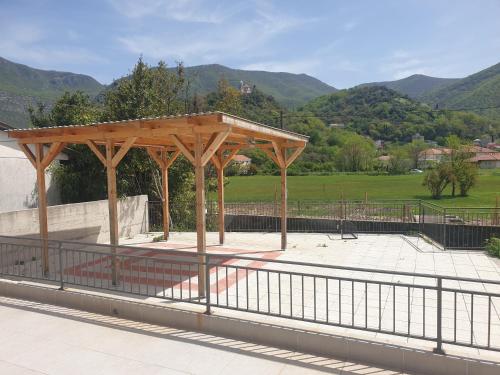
x,y
180,10
215,42
289,66
25,43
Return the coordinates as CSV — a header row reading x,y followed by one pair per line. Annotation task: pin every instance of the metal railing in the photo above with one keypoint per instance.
x,y
452,228
439,308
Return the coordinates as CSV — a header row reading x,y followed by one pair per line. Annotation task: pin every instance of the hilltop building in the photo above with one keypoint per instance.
x,y
245,88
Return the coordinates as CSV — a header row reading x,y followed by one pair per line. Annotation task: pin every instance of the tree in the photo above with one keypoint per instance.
x,y
466,177
398,162
356,154
462,172
225,99
437,179
82,177
414,150
148,91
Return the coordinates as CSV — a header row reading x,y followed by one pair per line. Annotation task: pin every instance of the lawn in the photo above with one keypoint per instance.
x,y
262,188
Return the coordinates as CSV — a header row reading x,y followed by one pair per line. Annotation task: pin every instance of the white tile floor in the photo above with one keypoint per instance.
x,y
400,309
43,339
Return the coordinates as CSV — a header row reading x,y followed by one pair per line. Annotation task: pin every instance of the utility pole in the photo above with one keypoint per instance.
x,y
281,119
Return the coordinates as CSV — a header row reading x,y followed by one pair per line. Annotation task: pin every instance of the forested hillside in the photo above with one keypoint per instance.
x,y
22,86
415,86
385,114
480,92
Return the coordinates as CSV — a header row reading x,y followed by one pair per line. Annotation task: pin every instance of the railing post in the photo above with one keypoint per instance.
x,y
439,339
208,310
61,271
421,217
444,228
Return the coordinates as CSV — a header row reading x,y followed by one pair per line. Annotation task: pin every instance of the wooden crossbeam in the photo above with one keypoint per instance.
x,y
216,161
214,146
54,150
123,151
96,151
278,151
28,153
295,154
157,157
183,148
162,157
173,157
271,155
229,157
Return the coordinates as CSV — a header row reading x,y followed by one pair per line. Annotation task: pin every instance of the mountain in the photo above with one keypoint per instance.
x,y
22,86
290,90
478,90
385,114
415,86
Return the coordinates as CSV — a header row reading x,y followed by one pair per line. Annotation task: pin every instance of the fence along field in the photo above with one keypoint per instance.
x,y
354,187
450,228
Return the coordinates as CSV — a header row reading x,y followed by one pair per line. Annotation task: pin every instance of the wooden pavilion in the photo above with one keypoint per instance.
x,y
201,138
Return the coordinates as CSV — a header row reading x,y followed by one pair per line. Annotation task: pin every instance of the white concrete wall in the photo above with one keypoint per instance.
x,y
18,178
86,221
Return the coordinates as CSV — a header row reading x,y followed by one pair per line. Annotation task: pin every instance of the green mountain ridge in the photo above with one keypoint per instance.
x,y
478,90
290,90
22,86
415,85
386,114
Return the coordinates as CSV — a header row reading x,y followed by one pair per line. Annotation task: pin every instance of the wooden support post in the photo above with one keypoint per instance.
x,y
113,208
42,207
220,202
164,161
283,208
201,244
165,207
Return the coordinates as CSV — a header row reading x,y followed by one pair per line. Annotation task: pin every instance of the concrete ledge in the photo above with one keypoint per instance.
x,y
191,317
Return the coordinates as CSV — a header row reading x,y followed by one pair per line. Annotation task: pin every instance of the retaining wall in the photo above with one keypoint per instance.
x,y
88,221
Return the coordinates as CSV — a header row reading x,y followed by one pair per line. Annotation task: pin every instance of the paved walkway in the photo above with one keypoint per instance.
x,y
383,302
44,339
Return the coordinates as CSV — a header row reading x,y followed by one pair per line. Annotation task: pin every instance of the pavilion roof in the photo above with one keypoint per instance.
x,y
160,131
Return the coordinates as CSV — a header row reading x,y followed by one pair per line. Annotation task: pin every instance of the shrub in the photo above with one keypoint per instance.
x,y
493,246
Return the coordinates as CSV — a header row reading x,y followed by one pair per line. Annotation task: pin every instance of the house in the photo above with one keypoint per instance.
x,y
18,177
242,160
432,155
245,88
482,156
487,161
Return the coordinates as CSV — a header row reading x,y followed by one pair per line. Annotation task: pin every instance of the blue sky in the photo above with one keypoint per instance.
x,y
343,43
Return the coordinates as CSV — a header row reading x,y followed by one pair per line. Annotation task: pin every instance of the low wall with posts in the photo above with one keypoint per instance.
x,y
87,221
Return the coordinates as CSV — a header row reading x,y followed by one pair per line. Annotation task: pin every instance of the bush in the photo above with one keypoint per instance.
x,y
493,246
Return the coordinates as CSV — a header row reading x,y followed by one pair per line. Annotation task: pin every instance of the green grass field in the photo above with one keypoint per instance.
x,y
262,188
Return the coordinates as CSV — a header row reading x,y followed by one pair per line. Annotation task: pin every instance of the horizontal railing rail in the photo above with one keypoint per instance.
x,y
440,308
451,228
